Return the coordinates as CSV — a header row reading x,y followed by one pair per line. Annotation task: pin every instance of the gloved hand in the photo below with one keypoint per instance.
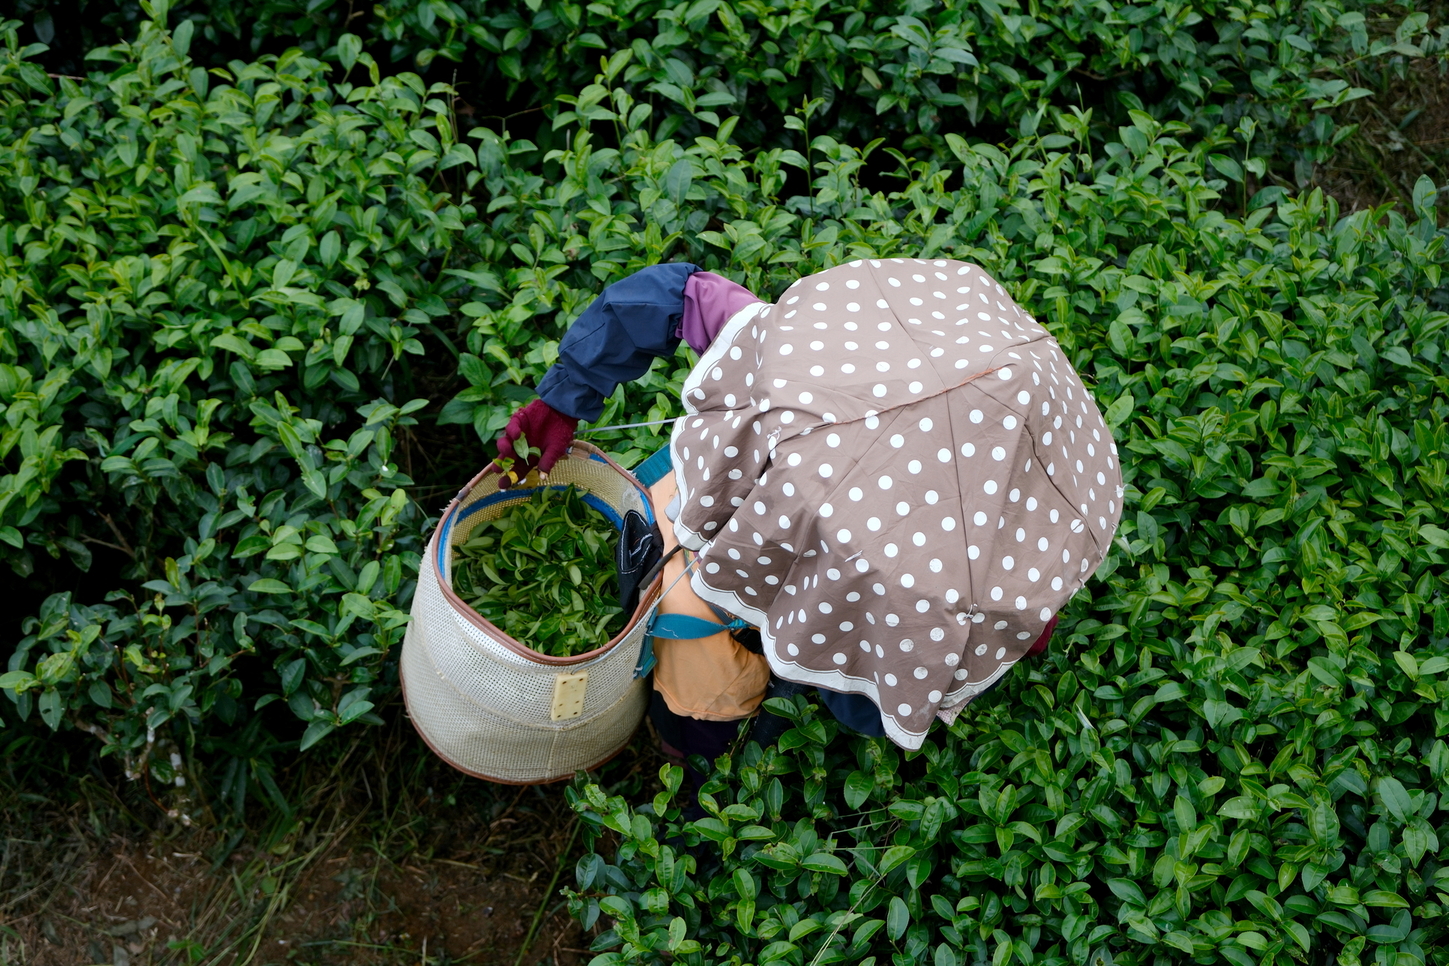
x,y
549,433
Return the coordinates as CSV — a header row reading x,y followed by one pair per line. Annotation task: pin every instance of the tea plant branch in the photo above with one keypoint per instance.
x,y
1094,75
125,545
225,262
504,117
839,925
85,538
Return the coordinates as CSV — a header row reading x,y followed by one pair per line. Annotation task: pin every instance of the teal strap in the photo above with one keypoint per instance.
x,y
655,468
647,660
678,627
683,627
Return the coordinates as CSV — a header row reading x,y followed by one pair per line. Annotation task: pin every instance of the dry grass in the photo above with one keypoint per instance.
x,y
389,858
1403,132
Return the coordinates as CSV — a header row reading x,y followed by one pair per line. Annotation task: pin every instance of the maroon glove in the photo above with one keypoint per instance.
x,y
1041,642
549,433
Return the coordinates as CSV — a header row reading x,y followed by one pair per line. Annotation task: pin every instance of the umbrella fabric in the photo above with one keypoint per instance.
x,y
897,475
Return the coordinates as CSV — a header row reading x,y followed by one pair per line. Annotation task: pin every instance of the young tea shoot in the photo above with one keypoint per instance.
x,y
544,573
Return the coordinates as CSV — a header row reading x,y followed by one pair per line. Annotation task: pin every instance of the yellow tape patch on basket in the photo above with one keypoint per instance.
x,y
568,695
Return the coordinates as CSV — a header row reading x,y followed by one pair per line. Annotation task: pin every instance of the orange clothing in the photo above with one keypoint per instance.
x,y
713,678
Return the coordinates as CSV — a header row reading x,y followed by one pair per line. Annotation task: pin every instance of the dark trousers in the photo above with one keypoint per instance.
x,y
691,736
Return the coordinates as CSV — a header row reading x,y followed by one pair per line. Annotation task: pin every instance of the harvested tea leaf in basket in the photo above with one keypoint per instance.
x,y
544,573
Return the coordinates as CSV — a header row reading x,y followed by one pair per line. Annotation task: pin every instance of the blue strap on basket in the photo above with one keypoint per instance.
x,y
655,468
674,627
678,627
649,472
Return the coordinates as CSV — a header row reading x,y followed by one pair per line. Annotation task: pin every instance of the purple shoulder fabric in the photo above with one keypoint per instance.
x,y
709,302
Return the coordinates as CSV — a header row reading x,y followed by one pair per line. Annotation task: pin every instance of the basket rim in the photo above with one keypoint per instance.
x,y
648,597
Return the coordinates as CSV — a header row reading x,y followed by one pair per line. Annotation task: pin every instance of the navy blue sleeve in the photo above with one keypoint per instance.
x,y
631,323
855,711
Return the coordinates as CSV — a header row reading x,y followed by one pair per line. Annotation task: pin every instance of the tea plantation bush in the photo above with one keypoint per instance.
x,y
859,69
1236,751
227,292
210,284
908,70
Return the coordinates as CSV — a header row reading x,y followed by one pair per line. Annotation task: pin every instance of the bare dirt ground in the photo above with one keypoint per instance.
x,y
1403,133
420,866
128,902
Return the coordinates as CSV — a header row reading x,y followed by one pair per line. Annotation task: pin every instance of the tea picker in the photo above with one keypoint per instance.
x,y
885,485
893,473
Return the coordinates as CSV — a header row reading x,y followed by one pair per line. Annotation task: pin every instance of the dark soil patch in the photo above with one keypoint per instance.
x,y
1403,134
136,903
400,860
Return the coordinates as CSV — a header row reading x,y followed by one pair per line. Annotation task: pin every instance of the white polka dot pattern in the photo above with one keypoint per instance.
x,y
899,479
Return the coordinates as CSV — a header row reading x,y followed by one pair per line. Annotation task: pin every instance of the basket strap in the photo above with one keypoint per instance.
x,y
684,627
655,468
678,627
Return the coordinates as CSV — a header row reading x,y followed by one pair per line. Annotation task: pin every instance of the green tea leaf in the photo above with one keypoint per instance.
x,y
898,917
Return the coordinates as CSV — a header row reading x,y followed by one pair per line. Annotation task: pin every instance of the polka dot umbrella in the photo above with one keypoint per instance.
x,y
896,474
